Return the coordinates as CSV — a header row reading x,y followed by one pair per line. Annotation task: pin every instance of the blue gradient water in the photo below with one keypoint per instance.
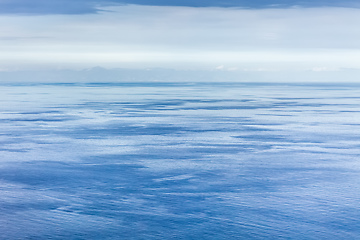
x,y
179,161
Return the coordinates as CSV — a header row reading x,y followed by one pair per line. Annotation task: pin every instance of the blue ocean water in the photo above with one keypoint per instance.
x,y
179,161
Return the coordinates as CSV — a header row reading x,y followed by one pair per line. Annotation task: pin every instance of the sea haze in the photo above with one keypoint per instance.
x,y
179,161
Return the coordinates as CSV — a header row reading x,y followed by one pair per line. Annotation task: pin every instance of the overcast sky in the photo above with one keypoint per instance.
x,y
319,35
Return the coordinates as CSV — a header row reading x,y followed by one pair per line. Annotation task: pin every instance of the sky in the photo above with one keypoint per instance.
x,y
215,34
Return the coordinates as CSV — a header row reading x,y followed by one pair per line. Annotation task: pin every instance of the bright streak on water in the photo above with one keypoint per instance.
x,y
179,161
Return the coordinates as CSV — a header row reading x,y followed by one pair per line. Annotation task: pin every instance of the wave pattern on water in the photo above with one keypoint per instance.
x,y
179,161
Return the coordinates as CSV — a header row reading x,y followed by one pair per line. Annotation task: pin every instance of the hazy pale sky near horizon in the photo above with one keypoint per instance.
x,y
319,35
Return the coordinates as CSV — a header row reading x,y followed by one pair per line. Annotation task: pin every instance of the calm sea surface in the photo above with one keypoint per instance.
x,y
179,161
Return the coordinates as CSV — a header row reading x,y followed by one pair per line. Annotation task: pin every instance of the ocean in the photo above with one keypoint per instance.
x,y
163,160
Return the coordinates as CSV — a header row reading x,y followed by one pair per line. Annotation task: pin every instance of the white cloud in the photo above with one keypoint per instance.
x,y
220,67
181,36
324,69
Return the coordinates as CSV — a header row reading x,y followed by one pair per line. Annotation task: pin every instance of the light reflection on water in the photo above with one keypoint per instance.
x,y
179,161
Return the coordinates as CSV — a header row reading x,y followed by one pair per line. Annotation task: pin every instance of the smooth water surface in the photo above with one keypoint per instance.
x,y
179,161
